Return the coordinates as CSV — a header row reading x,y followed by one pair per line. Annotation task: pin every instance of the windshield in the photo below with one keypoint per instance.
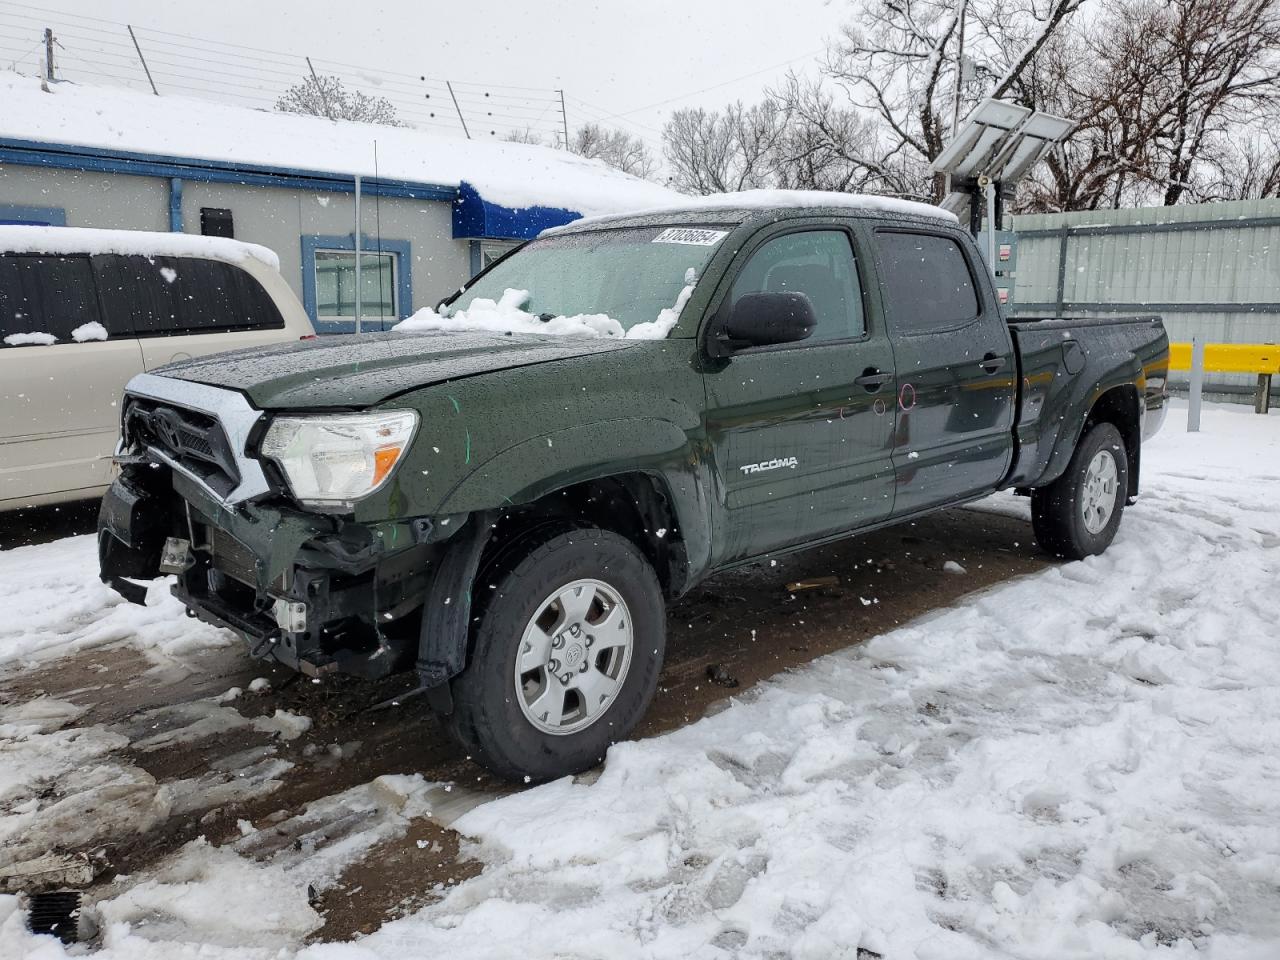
x,y
630,275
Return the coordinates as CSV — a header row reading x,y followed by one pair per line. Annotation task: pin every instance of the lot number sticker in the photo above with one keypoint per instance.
x,y
691,235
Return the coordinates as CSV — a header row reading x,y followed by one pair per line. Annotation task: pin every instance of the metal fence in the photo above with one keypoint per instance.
x,y
1212,270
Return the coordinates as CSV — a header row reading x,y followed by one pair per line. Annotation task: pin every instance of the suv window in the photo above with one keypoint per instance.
x,y
927,281
175,295
817,263
46,294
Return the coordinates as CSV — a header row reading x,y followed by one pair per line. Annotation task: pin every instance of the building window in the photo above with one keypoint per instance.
x,y
491,250
217,222
336,285
18,213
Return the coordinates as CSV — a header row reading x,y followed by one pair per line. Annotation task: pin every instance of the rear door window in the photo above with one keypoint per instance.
x,y
927,281
167,296
47,299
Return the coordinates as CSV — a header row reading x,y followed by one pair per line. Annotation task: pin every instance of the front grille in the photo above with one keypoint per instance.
x,y
196,444
194,440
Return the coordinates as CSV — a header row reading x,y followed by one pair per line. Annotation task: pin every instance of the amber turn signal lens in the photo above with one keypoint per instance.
x,y
383,461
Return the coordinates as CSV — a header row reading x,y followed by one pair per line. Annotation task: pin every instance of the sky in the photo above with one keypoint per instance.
x,y
627,65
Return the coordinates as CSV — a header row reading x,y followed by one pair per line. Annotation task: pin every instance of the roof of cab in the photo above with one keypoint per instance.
x,y
737,208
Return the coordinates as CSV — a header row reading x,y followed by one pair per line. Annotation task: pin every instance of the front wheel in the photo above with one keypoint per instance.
x,y
566,657
1078,514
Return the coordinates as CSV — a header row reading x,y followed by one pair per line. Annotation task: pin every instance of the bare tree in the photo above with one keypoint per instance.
x,y
328,96
527,135
714,151
797,138
617,148
897,62
825,146
1162,91
1223,64
1174,101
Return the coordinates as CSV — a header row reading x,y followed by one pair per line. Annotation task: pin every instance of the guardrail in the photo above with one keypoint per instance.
x,y
1199,358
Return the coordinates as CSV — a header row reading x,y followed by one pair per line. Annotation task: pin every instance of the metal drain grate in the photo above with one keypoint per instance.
x,y
57,913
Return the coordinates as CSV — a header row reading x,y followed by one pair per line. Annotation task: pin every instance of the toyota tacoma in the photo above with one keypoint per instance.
x,y
502,494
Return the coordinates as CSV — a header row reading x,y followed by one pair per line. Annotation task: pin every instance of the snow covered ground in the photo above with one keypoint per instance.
x,y
1078,764
54,604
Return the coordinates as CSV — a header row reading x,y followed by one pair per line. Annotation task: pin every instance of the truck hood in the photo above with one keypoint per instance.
x,y
362,370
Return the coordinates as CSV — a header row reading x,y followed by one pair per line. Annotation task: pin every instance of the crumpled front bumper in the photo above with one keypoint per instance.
x,y
316,593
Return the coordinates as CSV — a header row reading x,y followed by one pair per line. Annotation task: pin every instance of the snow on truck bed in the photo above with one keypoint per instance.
x,y
1078,764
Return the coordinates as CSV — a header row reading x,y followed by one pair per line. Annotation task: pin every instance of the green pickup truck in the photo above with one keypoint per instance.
x,y
502,494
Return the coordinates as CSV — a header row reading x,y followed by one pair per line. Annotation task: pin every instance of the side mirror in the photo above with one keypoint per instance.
x,y
766,319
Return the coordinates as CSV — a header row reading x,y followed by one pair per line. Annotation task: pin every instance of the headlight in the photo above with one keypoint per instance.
x,y
335,459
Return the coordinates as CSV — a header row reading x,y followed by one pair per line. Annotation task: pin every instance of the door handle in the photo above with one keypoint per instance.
x,y
991,363
872,379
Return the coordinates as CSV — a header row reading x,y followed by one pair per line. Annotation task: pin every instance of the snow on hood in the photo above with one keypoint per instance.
x,y
779,199
506,315
67,240
511,174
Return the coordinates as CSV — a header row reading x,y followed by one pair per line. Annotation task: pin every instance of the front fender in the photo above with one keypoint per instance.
x,y
541,465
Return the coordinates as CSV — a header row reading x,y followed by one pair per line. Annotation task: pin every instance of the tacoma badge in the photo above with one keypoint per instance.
x,y
776,464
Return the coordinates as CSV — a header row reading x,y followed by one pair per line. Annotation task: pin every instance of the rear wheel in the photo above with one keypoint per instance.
x,y
1078,514
566,657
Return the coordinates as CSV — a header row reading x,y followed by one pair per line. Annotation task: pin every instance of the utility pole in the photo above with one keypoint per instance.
x,y
461,119
145,68
955,103
358,251
48,53
324,99
955,99
564,119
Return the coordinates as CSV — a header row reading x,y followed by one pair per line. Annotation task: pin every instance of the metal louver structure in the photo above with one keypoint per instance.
x,y
992,150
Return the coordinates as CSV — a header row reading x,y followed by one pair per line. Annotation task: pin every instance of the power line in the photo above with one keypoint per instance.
x,y
600,113
202,44
717,86
260,75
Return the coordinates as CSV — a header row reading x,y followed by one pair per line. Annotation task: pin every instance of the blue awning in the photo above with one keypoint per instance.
x,y
474,216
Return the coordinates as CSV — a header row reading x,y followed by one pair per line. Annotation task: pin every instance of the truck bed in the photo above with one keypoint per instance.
x,y
1065,364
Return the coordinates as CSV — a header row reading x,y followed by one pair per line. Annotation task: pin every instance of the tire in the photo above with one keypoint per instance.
x,y
1063,513
506,723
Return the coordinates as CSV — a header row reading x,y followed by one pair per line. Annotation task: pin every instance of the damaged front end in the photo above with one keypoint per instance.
x,y
313,591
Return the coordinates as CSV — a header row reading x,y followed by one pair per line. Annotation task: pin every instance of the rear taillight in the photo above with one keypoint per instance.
x,y
307,336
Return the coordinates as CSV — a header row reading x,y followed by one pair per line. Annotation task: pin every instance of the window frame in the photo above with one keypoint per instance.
x,y
917,230
402,250
392,255
718,315
496,248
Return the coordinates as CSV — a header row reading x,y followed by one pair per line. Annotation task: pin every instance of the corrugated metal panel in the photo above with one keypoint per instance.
x,y
1037,279
1222,255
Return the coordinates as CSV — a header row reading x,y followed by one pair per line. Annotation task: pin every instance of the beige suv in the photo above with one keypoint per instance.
x,y
82,311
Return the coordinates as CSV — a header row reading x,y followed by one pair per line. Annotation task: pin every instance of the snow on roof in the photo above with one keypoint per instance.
x,y
512,174
65,240
776,199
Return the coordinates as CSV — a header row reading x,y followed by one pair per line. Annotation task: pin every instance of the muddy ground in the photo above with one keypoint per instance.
x,y
728,634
